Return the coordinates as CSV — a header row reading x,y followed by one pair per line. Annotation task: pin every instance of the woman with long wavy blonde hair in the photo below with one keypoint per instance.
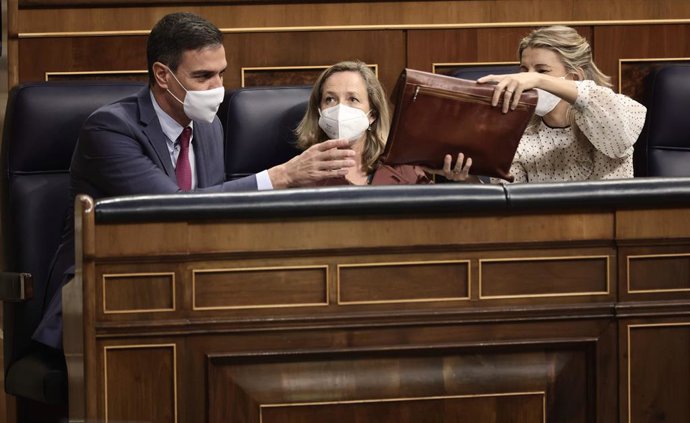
x,y
582,129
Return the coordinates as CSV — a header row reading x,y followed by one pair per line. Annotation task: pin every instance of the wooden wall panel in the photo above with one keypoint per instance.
x,y
302,13
262,50
465,46
386,49
615,42
39,56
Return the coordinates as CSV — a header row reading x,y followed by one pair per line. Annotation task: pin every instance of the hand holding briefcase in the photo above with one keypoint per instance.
x,y
437,115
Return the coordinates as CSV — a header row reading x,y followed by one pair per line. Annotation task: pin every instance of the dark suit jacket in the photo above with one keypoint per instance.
x,y
122,151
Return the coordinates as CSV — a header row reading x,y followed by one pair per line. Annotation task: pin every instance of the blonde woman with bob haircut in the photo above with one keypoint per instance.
x,y
582,130
348,102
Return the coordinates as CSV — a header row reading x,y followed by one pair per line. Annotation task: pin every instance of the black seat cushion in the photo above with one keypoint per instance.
x,y
40,375
259,126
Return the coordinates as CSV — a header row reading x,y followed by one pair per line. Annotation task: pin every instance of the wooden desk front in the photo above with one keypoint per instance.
x,y
560,316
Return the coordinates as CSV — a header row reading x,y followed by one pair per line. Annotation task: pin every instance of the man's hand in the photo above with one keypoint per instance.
x,y
325,160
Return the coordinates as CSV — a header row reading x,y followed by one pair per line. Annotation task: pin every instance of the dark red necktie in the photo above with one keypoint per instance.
x,y
183,170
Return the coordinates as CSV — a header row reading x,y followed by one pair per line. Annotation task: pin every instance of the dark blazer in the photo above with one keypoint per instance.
x,y
122,151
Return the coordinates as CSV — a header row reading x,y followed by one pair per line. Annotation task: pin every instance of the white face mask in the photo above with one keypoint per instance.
x,y
343,121
200,105
546,101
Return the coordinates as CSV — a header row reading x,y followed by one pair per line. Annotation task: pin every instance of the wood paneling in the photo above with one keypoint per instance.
x,y
650,224
293,34
277,76
261,235
510,383
42,55
260,287
403,282
466,46
657,372
547,276
284,75
299,14
319,48
477,357
518,407
139,383
615,42
661,272
138,292
80,57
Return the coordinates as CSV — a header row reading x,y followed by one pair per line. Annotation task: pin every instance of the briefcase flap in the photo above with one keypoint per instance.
x,y
437,115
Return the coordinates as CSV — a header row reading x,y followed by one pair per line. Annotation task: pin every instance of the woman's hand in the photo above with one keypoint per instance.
x,y
458,173
510,87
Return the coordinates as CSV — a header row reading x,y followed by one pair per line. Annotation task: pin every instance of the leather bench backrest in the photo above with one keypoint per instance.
x,y
259,127
663,148
42,124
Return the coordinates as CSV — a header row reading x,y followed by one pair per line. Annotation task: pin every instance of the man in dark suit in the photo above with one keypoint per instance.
x,y
167,139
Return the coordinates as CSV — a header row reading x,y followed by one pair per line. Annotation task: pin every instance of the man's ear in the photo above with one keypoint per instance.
x,y
160,74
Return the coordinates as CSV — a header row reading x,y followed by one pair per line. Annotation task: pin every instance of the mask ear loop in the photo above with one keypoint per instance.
x,y
178,82
375,118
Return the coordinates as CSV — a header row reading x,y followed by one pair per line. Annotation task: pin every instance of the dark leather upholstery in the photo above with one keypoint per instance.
x,y
476,72
259,124
353,201
306,202
623,193
663,148
41,128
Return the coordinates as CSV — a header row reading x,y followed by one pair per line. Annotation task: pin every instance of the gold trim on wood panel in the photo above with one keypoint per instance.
x,y
404,263
101,72
645,59
644,256
254,269
379,27
526,259
468,64
137,346
309,67
636,326
138,275
405,399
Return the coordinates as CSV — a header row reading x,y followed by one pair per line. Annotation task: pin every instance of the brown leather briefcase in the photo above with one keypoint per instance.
x,y
437,115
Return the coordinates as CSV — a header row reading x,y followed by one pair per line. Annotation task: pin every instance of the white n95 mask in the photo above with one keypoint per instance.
x,y
200,105
343,121
546,102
